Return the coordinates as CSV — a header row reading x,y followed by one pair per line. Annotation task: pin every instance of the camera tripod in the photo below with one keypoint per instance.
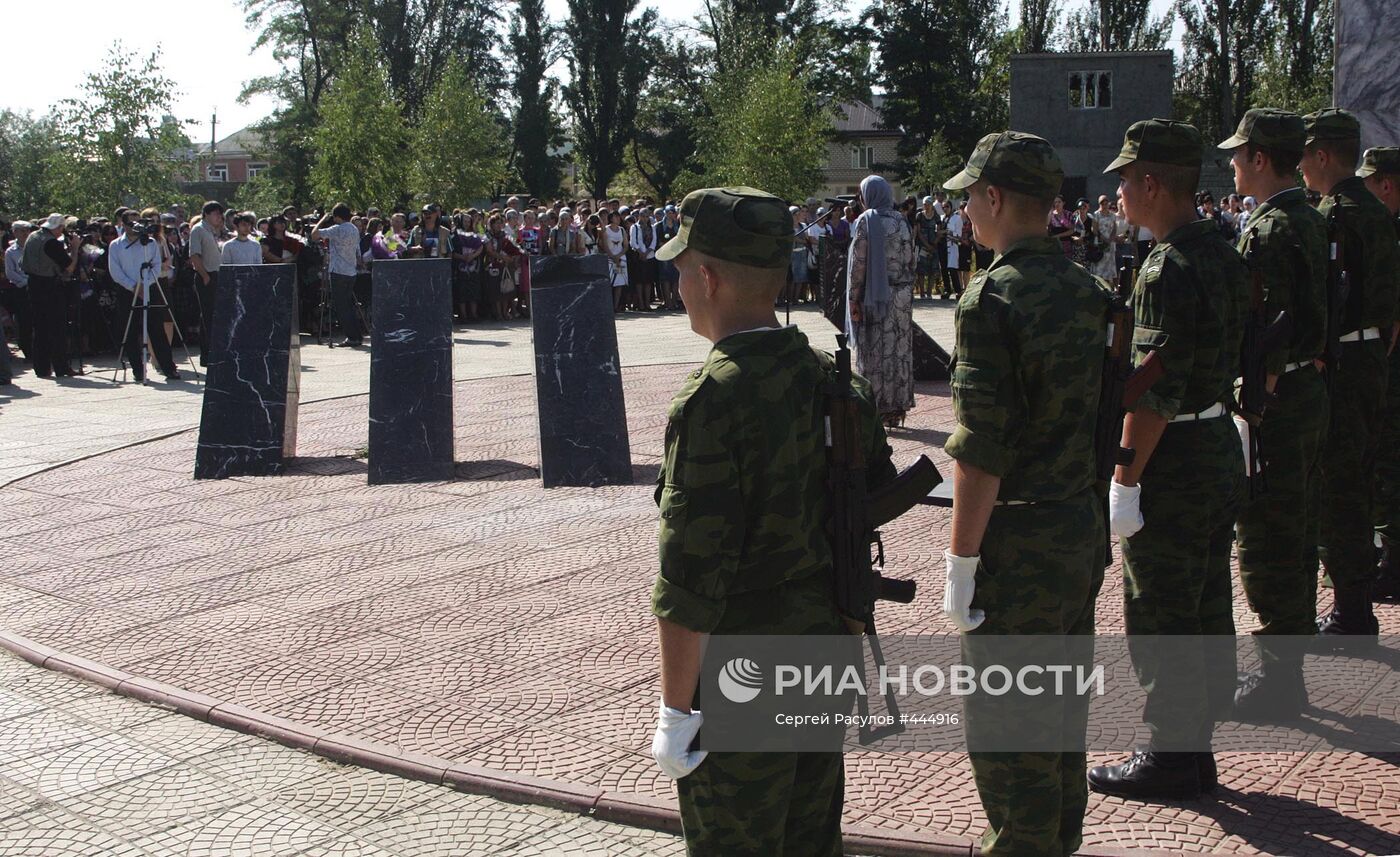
x,y
325,314
140,300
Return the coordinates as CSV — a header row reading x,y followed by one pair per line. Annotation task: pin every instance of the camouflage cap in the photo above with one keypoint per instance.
x,y
1332,123
1271,128
1018,162
1380,160
737,224
1159,141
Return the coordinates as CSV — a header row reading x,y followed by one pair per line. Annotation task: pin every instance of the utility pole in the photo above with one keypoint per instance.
x,y
213,141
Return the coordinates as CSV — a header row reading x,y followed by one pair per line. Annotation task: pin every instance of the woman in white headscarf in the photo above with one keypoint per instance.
x,y
880,300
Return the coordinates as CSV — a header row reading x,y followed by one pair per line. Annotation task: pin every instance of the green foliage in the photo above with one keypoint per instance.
x,y
937,162
1216,73
1038,26
1295,68
934,57
609,59
360,141
533,44
117,142
264,194
26,149
1115,25
768,131
458,152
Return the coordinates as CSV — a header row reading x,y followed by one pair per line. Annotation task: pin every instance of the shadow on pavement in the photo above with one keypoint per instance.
x,y
1278,824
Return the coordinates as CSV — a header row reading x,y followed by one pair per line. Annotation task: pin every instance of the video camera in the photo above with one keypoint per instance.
x,y
142,229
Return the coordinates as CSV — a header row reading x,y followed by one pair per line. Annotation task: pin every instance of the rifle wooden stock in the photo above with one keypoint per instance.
x,y
1141,380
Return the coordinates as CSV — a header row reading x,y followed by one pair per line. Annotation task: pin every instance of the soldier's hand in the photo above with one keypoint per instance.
x,y
958,589
1124,509
671,745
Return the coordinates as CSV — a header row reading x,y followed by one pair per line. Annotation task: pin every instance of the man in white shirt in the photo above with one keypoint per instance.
x,y
15,297
204,259
241,249
343,240
133,260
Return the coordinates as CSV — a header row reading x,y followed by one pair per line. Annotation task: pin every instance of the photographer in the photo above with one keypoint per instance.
x,y
47,259
343,242
133,261
205,259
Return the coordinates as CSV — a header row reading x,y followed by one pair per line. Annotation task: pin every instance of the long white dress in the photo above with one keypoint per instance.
x,y
616,246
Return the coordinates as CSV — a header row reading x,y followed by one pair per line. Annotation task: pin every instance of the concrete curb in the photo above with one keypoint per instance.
x,y
629,809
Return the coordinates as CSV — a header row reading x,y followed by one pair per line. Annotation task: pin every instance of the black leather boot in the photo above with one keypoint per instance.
x,y
1387,583
1351,627
1274,694
1150,776
1206,771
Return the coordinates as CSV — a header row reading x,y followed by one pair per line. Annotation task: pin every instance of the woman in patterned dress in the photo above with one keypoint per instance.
x,y
880,300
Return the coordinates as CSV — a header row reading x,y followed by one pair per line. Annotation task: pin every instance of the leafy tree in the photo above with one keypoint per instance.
x,y
1216,81
671,112
533,45
934,56
360,140
1116,25
458,152
264,194
608,59
26,149
117,142
1295,68
1037,31
418,38
936,163
768,131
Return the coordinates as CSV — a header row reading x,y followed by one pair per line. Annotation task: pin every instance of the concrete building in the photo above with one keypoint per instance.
x,y
1083,102
861,147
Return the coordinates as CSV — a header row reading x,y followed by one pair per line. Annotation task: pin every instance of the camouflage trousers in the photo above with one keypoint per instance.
x,y
1041,570
1277,527
1358,402
763,805
1387,469
1176,572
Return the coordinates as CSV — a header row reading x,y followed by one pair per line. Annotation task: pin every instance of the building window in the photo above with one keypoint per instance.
x,y
218,172
862,157
255,170
1090,90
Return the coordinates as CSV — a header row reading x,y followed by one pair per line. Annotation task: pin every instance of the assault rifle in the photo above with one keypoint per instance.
x,y
857,513
1122,385
1261,338
1338,291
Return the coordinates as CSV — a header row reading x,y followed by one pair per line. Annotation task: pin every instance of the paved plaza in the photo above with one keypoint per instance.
x,y
484,634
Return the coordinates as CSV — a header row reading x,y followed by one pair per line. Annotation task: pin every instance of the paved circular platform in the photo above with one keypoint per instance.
x,y
489,627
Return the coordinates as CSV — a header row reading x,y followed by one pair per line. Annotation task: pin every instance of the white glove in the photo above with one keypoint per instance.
x,y
671,745
958,589
1124,509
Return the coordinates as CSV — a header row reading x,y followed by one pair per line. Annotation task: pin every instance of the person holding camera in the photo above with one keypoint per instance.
x,y
133,261
48,257
205,259
343,242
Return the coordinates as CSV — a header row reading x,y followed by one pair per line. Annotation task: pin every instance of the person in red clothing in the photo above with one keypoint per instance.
x,y
502,258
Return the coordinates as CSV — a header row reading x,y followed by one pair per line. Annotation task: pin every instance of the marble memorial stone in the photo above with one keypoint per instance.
x,y
578,385
249,423
410,372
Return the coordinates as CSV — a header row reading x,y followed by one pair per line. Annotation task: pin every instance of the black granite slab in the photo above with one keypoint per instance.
x,y
253,383
578,383
410,372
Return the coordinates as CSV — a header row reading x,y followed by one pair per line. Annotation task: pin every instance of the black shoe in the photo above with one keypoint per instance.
x,y
172,375
1386,586
1149,776
1206,771
1347,633
1273,695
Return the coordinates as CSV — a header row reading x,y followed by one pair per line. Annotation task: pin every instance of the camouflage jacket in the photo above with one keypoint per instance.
x,y
743,494
1373,269
1189,305
1031,333
1291,258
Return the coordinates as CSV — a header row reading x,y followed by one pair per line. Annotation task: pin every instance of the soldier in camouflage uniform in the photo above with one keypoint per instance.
x,y
1174,507
1028,539
1380,169
1359,378
1286,242
742,493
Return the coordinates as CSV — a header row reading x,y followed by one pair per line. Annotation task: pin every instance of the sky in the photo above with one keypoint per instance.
x,y
205,47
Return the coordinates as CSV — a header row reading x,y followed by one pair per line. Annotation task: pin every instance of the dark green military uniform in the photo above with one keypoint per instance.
x,y
1030,347
1189,303
743,550
1384,161
1359,383
1285,242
